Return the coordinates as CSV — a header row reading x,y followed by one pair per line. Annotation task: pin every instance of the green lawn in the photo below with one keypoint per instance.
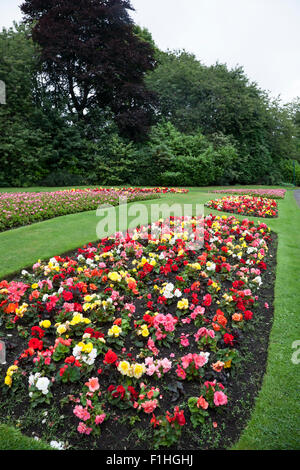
x,y
275,421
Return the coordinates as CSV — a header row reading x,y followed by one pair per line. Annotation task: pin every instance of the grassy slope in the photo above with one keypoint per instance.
x,y
274,422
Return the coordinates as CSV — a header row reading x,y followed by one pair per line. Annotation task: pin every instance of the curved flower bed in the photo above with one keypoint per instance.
x,y
17,209
245,205
270,193
138,330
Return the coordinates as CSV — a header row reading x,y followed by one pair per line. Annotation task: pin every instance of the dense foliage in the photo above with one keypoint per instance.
x,y
212,125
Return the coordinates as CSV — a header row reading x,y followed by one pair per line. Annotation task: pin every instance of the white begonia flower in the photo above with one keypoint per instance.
x,y
76,351
205,354
57,445
258,280
42,384
91,357
169,287
33,377
177,293
211,267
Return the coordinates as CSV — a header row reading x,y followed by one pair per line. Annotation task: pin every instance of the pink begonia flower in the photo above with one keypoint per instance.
x,y
151,346
100,418
266,305
220,398
114,295
186,360
68,307
93,384
199,360
247,292
89,404
81,413
130,307
83,429
180,372
184,341
165,364
186,320
198,311
149,406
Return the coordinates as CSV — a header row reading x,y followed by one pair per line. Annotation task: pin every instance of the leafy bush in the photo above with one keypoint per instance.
x,y
62,178
287,172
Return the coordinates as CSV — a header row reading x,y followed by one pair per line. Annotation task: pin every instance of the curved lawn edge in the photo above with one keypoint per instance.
x,y
12,439
273,424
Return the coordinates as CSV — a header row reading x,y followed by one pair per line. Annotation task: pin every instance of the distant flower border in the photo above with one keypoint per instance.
x,y
19,209
268,193
245,205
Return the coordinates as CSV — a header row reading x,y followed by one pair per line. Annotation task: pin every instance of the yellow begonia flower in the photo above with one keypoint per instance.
x,y
114,277
11,370
8,380
115,331
124,367
138,370
87,348
61,329
183,304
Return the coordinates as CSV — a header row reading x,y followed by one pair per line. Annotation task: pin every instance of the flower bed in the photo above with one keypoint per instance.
x,y
17,209
134,190
245,205
269,193
137,341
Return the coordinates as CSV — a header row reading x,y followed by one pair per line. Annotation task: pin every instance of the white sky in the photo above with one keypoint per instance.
x,y
263,36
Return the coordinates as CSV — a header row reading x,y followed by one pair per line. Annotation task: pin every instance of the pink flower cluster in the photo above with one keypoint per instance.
x,y
168,323
199,360
204,332
158,366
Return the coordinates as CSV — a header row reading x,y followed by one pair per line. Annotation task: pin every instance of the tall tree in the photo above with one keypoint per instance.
x,y
90,53
217,100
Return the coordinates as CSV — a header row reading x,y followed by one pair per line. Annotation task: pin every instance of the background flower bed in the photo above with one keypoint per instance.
x,y
128,432
17,209
134,190
245,205
271,193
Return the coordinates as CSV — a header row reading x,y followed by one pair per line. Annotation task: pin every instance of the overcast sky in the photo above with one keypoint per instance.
x,y
261,35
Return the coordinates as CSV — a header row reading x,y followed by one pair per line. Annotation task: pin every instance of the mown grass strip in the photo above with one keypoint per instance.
x,y
275,420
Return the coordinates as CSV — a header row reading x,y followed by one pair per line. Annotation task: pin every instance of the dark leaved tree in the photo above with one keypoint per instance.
x,y
91,55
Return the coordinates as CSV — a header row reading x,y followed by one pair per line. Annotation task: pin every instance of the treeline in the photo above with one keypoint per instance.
x,y
135,116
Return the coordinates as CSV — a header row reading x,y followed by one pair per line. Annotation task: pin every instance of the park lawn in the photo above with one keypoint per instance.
x,y
273,424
